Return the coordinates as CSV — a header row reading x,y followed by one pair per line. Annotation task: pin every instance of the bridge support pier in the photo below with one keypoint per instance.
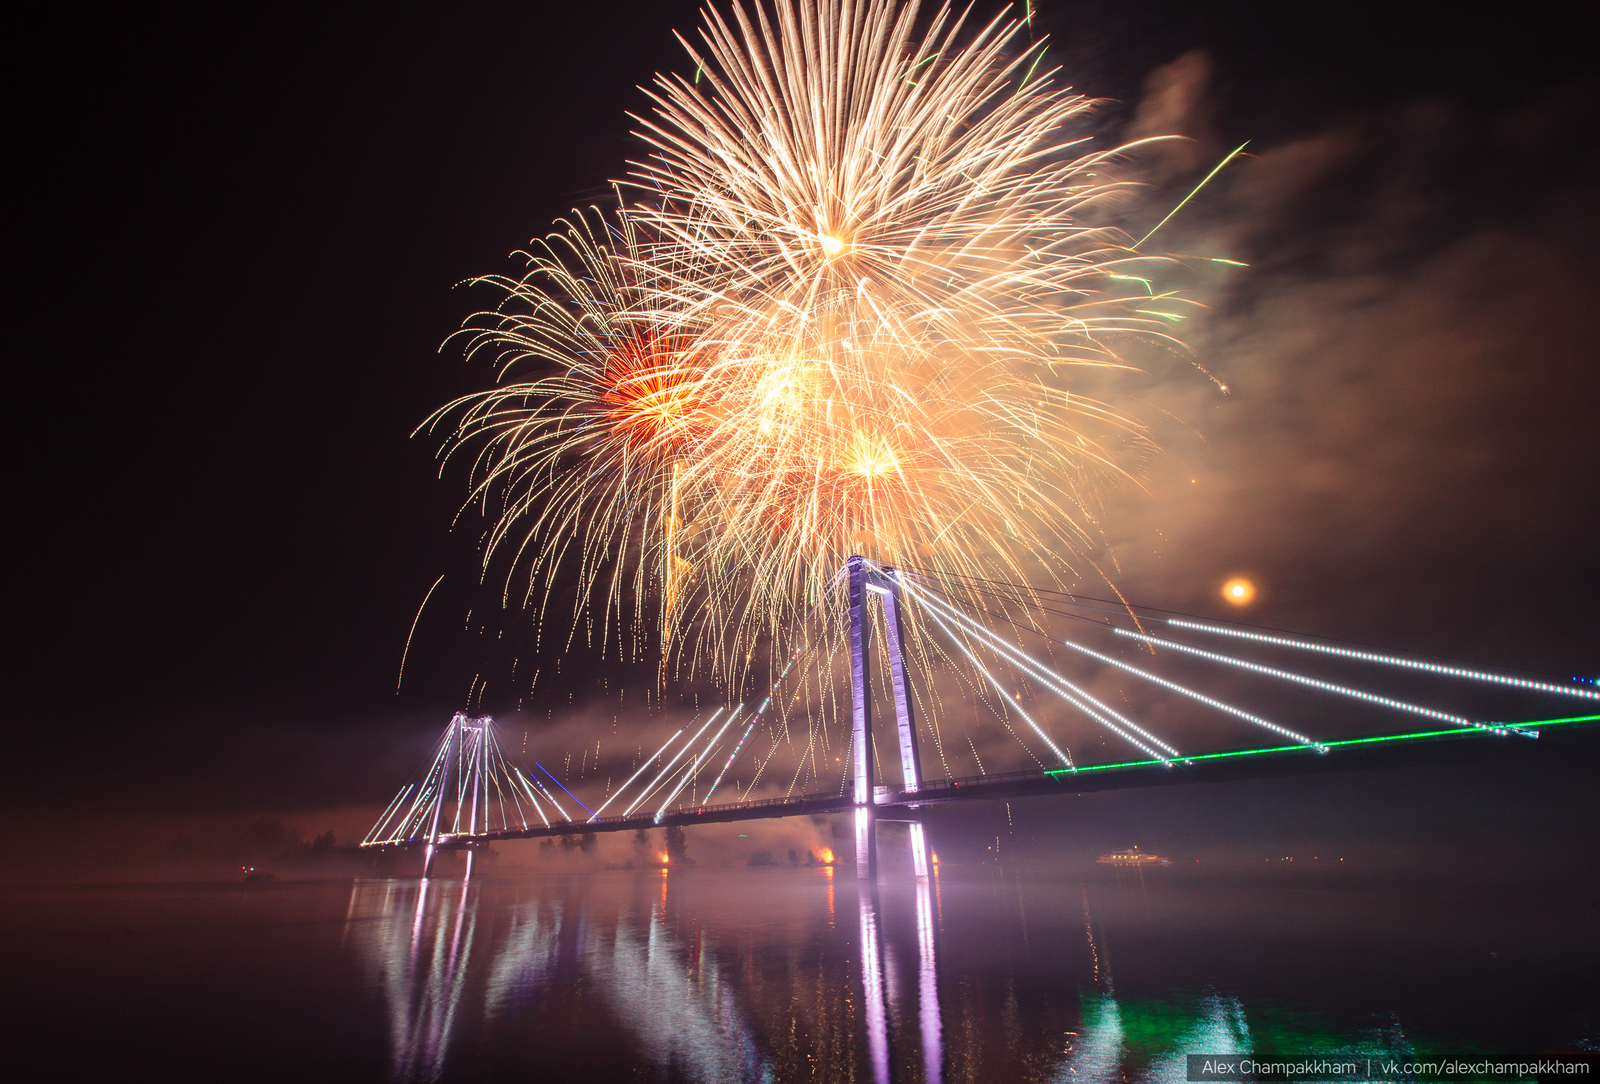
x,y
866,844
919,851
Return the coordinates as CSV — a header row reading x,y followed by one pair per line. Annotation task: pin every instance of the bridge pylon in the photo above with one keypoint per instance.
x,y
866,581
466,764
485,794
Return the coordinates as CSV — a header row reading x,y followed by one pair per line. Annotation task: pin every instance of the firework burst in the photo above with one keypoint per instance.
x,y
843,308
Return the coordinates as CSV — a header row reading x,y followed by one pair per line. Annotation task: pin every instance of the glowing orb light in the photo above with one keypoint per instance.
x,y
1239,591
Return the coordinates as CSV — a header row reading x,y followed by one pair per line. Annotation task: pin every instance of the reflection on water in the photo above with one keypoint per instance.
x,y
1096,1053
928,982
788,975
744,977
1217,1028
872,993
673,998
421,953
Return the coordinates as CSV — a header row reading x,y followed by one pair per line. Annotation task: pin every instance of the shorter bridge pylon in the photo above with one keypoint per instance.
x,y
469,792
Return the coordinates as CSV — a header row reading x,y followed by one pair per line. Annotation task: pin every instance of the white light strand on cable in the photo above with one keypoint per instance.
x,y
537,807
636,774
1058,684
1311,682
654,783
999,689
1389,660
1022,659
538,784
383,821
1202,697
694,767
510,784
420,804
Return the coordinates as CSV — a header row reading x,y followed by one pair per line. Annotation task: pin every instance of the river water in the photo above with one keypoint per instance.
x,y
784,974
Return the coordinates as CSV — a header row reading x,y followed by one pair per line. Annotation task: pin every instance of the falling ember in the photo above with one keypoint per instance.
x,y
1239,591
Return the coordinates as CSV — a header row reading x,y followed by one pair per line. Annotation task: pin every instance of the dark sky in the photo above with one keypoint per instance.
x,y
236,247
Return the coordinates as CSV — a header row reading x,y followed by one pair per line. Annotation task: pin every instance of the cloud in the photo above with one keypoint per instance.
x,y
1406,450
1177,102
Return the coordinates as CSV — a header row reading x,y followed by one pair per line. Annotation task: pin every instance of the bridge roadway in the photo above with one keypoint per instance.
x,y
893,803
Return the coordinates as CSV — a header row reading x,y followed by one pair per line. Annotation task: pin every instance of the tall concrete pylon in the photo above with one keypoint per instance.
x,y
866,580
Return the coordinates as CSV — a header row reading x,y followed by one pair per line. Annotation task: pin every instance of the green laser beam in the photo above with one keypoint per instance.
x,y
1414,736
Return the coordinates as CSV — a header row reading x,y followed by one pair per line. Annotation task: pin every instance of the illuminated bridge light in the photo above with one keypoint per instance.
x,y
1315,683
1202,697
1065,759
1388,660
1055,682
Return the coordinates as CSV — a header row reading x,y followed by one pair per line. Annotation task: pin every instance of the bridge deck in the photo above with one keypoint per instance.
x,y
1383,751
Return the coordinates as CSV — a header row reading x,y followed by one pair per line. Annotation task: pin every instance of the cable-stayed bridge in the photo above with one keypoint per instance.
x,y
1004,640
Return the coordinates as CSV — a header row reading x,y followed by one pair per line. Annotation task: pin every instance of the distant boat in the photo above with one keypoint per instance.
x,y
1133,857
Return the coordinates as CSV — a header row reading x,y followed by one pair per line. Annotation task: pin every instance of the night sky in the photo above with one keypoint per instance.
x,y
237,247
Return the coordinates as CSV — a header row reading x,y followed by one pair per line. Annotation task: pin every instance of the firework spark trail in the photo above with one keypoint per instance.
x,y
845,307
407,649
794,657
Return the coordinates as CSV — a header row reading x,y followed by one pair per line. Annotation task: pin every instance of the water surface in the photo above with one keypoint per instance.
x,y
786,974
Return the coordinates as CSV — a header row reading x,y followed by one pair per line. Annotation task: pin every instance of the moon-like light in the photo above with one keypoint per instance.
x,y
1239,591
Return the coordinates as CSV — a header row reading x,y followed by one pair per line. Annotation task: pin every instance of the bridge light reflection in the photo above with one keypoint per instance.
x,y
877,1019
928,988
